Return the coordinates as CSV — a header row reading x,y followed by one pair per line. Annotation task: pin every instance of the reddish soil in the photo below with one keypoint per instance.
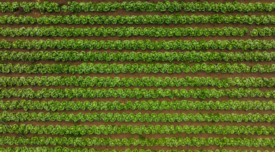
x,y
36,13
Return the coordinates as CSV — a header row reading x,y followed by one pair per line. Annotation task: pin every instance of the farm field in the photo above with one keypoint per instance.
x,y
137,75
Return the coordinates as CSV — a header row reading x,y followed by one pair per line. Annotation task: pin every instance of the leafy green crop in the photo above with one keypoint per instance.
x,y
131,117
134,93
266,31
140,44
7,6
139,6
170,142
171,6
150,129
140,82
42,7
137,105
85,68
148,19
123,31
80,149
187,56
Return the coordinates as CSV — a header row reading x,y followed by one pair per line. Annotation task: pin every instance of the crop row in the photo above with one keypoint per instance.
x,y
89,68
132,31
262,32
80,149
131,117
140,82
134,93
148,19
137,105
137,6
170,142
140,44
150,129
190,56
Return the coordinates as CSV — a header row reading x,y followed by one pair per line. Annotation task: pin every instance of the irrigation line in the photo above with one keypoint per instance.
x,y
18,133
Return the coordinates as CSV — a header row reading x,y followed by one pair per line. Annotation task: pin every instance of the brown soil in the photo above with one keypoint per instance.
x,y
36,13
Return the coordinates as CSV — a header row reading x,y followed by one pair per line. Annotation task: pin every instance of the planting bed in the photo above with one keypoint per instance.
x,y
255,109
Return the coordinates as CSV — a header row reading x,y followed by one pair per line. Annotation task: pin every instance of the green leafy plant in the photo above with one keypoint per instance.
x,y
121,31
170,142
158,129
80,149
143,6
131,117
137,105
266,31
148,19
140,44
190,56
7,6
140,82
134,93
85,68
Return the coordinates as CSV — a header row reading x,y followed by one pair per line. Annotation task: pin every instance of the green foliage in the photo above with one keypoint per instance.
x,y
140,82
80,149
42,7
170,142
131,117
148,19
266,31
140,44
142,6
150,129
137,105
171,6
85,68
134,93
187,56
7,6
122,31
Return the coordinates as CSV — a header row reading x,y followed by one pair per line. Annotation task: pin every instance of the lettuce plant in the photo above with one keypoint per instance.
x,y
137,105
134,93
148,19
131,117
82,130
80,149
121,31
140,82
140,44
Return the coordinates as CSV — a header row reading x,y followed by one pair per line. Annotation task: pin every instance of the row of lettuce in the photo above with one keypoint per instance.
x,y
136,105
139,44
88,68
80,149
133,31
81,130
93,56
140,82
147,19
138,6
170,142
138,117
134,93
